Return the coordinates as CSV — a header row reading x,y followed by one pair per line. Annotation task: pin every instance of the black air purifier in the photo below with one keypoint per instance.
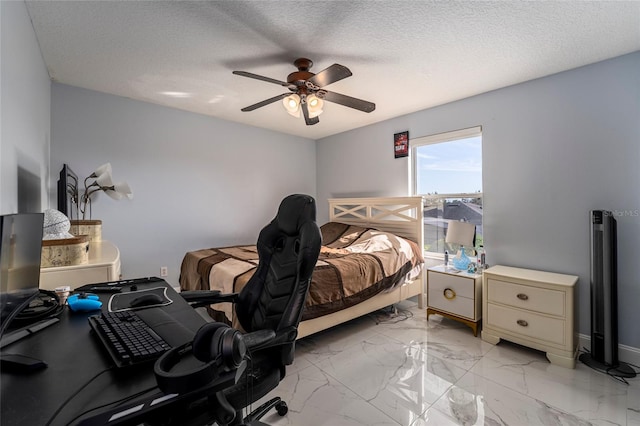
x,y
604,297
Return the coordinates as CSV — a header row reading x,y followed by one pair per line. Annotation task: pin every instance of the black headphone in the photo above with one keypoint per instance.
x,y
218,346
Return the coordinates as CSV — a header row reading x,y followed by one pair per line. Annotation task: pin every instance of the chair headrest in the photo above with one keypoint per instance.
x,y
295,210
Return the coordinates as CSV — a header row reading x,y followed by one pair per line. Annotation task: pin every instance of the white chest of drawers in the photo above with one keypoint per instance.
x,y
455,294
531,308
103,265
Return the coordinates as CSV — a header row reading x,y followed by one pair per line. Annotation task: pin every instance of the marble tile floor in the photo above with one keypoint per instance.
x,y
380,370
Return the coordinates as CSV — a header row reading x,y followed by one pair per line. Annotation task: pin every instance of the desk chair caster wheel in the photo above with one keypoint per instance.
x,y
281,408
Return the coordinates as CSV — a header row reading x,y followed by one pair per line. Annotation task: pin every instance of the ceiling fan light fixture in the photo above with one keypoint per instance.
x,y
292,105
307,91
315,105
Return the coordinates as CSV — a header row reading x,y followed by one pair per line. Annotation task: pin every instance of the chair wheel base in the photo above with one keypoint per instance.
x,y
282,408
254,417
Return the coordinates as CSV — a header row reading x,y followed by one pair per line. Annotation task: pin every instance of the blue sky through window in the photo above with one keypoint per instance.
x,y
450,167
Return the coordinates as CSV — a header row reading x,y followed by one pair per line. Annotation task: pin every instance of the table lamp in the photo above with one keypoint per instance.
x,y
461,233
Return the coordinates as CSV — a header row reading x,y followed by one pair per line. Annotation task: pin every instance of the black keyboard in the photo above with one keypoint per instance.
x,y
127,338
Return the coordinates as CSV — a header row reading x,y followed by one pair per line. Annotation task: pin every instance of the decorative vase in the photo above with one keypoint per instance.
x,y
65,252
90,228
461,262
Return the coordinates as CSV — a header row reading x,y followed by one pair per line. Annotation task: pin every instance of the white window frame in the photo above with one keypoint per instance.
x,y
434,139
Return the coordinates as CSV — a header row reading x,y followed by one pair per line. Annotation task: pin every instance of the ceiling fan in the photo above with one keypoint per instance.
x,y
308,93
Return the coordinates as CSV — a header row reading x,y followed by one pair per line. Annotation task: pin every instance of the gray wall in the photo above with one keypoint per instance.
x,y
553,149
24,108
197,181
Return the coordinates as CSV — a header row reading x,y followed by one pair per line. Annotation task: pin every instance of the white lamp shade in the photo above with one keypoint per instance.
x,y
105,179
123,188
292,105
314,104
113,194
460,233
105,168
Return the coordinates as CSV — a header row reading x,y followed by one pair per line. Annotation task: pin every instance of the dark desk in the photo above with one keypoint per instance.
x,y
74,357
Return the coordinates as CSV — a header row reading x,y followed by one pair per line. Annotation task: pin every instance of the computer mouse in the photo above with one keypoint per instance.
x,y
146,300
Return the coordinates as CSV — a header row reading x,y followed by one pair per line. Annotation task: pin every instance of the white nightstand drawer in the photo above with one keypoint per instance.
x,y
526,297
455,295
456,304
462,285
526,323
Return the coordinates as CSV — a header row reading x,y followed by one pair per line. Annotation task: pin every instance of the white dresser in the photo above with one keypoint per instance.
x,y
103,265
531,308
455,294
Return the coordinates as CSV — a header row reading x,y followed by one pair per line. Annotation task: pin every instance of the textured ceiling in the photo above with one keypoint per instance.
x,y
404,55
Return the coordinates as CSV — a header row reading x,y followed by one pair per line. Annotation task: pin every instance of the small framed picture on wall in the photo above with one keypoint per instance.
x,y
401,144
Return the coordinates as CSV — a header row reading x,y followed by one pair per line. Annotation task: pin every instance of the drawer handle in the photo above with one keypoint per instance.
x,y
522,323
449,294
522,296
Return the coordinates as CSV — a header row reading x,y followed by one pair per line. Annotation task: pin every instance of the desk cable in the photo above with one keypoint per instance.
x,y
73,395
46,305
116,402
249,382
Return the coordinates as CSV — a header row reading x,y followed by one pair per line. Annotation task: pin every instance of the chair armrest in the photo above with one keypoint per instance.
x,y
199,298
258,339
262,339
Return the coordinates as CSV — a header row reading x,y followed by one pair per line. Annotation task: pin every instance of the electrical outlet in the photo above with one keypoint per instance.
x,y
164,271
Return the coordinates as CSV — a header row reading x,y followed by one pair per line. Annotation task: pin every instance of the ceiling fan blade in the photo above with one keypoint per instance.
x,y
305,111
265,102
347,101
263,78
335,72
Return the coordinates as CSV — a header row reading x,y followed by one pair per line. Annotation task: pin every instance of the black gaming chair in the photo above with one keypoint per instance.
x,y
269,309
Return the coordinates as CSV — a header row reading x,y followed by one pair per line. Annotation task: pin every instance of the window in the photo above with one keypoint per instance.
x,y
447,172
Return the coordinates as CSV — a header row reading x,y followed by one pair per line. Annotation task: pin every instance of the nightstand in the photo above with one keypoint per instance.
x,y
531,308
103,265
455,294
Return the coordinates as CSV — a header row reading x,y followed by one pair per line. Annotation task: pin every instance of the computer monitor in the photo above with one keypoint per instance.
x,y
20,253
68,192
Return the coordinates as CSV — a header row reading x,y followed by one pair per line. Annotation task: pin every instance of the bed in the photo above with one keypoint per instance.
x,y
371,258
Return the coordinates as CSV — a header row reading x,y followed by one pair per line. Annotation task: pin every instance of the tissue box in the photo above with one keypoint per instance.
x,y
65,252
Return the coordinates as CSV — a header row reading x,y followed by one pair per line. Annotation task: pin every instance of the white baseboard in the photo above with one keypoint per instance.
x,y
627,354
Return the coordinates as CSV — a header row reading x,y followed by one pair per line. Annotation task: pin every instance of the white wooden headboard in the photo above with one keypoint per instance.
x,y
402,216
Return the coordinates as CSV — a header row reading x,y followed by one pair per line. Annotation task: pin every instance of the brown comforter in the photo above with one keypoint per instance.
x,y
355,264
